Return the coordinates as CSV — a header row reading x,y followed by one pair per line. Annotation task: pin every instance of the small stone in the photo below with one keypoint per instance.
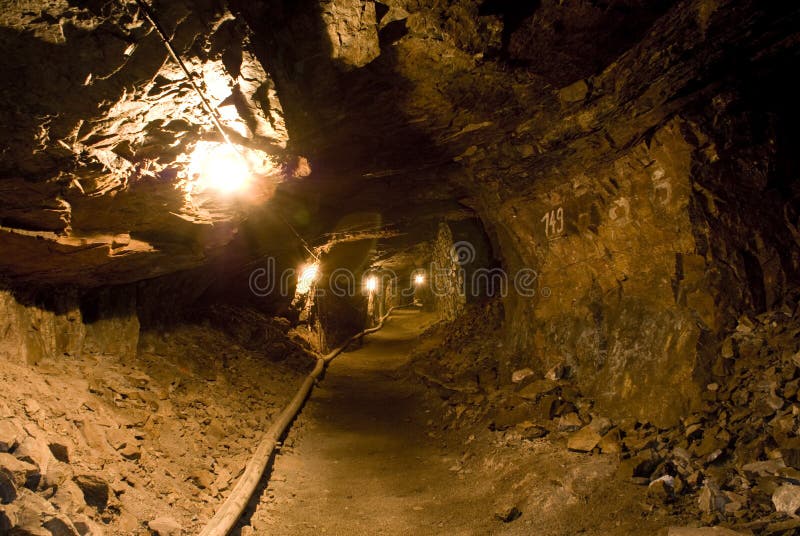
x,y
10,435
8,490
508,514
223,480
711,500
60,452
727,348
60,526
120,240
131,452
610,444
165,526
87,527
569,423
539,387
601,425
519,375
575,92
8,518
584,440
35,451
529,430
23,474
702,531
202,479
786,499
661,490
557,372
69,498
791,457
95,491
763,469
32,511
745,325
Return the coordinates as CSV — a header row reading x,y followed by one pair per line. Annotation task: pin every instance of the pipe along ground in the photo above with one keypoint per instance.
x,y
233,507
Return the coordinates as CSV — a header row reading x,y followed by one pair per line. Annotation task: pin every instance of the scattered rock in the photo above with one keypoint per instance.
x,y
584,440
569,423
69,498
711,500
661,490
508,514
519,375
131,452
786,499
534,389
8,490
610,443
165,526
701,531
96,492
529,430
8,518
35,451
223,479
557,372
575,92
23,474
10,435
32,512
60,526
201,478
60,452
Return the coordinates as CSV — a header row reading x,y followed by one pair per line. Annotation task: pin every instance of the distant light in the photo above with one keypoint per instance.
x,y
308,276
419,279
219,167
372,283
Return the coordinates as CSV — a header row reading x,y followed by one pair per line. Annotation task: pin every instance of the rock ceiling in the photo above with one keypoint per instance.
x,y
415,111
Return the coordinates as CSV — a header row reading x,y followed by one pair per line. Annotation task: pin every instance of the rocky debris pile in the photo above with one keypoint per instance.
x,y
144,445
733,461
39,491
736,460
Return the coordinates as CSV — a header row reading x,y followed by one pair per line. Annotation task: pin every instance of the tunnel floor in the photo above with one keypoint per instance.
x,y
369,455
360,459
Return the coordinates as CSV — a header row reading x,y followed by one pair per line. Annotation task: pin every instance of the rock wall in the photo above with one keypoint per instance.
x,y
447,275
35,326
34,330
656,201
95,175
623,297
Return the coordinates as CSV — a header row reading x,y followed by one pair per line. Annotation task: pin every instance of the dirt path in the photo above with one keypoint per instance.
x,y
368,455
362,460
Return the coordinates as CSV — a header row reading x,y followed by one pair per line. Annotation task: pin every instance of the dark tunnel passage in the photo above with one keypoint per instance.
x,y
456,267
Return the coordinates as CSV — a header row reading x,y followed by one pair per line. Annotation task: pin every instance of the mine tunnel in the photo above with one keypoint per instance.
x,y
399,267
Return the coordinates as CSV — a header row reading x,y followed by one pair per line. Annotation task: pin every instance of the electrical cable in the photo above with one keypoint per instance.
x,y
151,17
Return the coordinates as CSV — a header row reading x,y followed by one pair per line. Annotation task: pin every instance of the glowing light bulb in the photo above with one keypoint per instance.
x,y
308,275
419,279
372,283
218,166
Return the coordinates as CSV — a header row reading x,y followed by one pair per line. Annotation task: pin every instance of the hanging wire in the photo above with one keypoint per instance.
x,y
212,113
150,16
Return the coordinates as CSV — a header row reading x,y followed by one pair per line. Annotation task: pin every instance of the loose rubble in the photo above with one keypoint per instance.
x,y
101,445
732,464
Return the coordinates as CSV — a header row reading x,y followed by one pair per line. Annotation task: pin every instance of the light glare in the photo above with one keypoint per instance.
x,y
419,279
308,275
372,283
219,167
